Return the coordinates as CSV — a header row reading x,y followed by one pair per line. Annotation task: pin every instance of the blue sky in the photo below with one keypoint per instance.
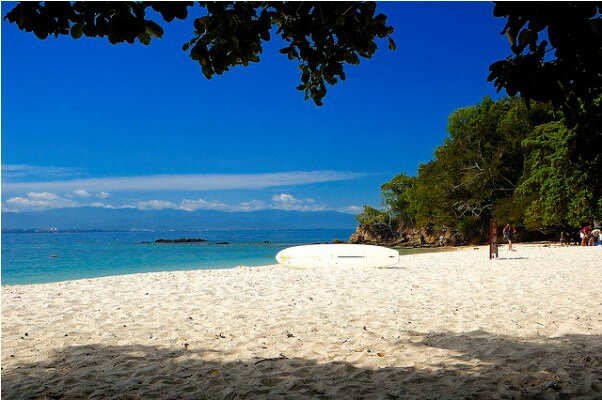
x,y
85,122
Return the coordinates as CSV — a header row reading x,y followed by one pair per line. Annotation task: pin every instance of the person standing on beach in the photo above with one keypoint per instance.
x,y
509,232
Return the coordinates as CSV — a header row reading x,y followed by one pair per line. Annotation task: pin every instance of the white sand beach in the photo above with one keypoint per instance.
x,y
449,325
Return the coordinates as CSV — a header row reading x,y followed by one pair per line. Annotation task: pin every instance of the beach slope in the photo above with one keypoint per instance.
x,y
450,325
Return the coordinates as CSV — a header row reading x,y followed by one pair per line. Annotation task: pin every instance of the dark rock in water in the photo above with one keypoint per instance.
x,y
222,243
181,240
338,241
143,242
266,241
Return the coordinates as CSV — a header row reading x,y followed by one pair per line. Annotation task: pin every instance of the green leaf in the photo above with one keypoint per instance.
x,y
198,51
200,23
353,59
153,29
235,42
77,30
144,38
207,71
392,45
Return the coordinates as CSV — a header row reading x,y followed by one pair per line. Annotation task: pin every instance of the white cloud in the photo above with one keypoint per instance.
x,y
42,196
81,193
200,204
351,209
155,205
196,182
252,205
102,195
17,171
285,201
36,201
100,205
285,198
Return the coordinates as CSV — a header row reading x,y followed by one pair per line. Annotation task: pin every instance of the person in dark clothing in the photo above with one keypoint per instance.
x,y
509,232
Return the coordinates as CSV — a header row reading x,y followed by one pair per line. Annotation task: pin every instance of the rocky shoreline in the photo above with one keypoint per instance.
x,y
428,236
408,237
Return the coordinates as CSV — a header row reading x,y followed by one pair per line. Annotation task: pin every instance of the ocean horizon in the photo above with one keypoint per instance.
x,y
29,258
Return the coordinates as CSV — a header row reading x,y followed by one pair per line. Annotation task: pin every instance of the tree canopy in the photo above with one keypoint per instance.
x,y
501,160
321,36
557,58
324,36
556,54
553,191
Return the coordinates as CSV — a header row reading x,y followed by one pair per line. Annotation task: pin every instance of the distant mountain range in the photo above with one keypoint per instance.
x,y
90,218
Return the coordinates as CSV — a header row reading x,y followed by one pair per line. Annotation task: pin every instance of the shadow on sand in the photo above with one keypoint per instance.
x,y
488,366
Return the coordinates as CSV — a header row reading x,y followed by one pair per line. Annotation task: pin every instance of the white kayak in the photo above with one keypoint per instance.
x,y
337,255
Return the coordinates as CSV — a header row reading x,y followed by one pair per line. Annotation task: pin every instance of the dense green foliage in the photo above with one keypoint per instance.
x,y
320,36
569,76
397,197
554,190
372,216
557,58
502,160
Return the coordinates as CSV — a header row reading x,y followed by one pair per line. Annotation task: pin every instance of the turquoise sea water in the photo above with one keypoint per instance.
x,y
51,257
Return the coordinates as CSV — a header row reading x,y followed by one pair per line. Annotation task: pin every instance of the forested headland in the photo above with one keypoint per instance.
x,y
504,160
